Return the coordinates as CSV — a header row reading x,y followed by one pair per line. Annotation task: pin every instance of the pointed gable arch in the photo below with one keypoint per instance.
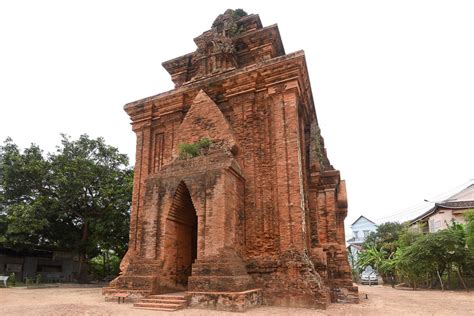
x,y
182,200
205,119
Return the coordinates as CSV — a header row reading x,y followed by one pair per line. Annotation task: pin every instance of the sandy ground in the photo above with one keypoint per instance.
x,y
381,301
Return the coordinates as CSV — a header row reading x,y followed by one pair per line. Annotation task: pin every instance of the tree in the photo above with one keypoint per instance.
x,y
23,198
468,267
386,236
398,252
470,230
380,248
91,186
371,257
78,198
430,255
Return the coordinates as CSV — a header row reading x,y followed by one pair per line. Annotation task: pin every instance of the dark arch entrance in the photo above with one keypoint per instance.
x,y
180,239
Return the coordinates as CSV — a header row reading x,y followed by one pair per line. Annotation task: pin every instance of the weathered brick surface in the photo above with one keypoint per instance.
x,y
227,301
264,208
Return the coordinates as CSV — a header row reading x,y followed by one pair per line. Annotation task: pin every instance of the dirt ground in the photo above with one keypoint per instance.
x,y
381,301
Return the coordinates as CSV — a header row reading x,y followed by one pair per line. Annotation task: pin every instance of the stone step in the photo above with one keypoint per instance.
x,y
167,297
165,305
163,300
161,306
157,309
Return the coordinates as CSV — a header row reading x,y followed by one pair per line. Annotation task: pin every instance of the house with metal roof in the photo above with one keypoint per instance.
x,y
444,213
53,266
361,228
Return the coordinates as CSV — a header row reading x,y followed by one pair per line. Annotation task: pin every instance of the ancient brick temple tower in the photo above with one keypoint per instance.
x,y
258,216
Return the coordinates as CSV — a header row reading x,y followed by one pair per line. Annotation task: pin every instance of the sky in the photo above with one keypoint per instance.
x,y
392,81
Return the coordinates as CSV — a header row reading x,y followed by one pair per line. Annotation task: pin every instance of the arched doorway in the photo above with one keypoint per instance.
x,y
180,239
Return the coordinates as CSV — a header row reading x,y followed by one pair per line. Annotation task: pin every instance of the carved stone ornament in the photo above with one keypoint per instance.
x,y
216,47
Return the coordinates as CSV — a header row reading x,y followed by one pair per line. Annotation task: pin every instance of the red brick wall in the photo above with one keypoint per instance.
x,y
268,194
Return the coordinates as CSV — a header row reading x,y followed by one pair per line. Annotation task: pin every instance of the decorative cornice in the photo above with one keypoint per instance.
x,y
141,109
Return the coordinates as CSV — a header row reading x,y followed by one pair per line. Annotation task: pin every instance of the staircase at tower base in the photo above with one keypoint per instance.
x,y
164,302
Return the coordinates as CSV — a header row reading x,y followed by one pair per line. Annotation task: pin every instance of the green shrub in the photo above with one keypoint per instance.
x,y
105,265
193,150
188,151
238,13
12,279
39,278
203,143
29,281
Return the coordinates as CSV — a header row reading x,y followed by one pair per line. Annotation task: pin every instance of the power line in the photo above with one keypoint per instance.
x,y
417,208
452,191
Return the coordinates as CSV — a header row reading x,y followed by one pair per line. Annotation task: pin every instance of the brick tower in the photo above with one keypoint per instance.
x,y
257,216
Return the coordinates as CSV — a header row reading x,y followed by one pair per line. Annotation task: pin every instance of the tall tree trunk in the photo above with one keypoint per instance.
x,y
448,287
83,270
104,265
440,281
462,280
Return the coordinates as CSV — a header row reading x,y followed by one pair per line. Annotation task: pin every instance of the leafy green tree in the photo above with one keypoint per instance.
x,y
91,187
371,257
104,265
468,267
78,198
470,230
409,256
380,248
23,198
431,255
386,236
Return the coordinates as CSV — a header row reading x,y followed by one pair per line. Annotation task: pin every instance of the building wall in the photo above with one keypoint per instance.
x,y
443,218
30,267
361,229
293,202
